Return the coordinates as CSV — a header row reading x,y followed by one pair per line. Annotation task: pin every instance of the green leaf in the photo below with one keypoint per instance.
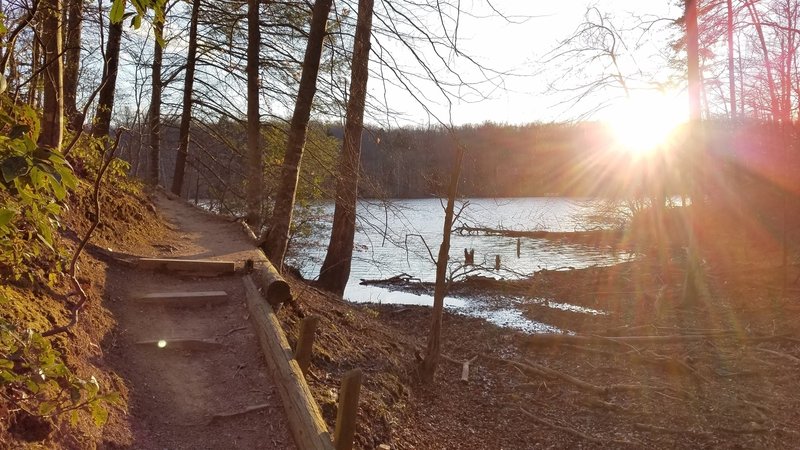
x,y
136,22
45,408
58,189
99,413
5,216
113,398
3,83
18,130
117,11
14,167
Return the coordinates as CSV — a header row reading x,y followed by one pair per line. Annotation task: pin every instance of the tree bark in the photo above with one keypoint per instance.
x,y
336,268
278,235
433,351
154,114
53,118
36,58
731,72
690,288
255,159
105,98
186,115
72,60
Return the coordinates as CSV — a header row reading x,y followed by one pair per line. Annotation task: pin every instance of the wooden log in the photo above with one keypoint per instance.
x,y
181,344
183,299
347,412
275,289
554,338
201,266
305,420
305,342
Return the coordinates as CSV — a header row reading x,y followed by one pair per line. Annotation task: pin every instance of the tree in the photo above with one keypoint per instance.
x,y
72,60
105,99
53,115
433,350
691,288
255,159
278,235
154,114
335,269
186,115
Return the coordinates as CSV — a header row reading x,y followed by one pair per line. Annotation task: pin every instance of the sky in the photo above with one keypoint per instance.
x,y
540,89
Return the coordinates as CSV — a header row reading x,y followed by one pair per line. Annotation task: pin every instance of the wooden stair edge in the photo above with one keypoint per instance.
x,y
305,419
183,298
187,265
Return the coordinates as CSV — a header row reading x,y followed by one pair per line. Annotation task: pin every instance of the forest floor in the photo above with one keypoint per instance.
x,y
651,372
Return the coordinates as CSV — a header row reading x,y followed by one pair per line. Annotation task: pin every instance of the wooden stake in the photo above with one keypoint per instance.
x,y
305,343
348,410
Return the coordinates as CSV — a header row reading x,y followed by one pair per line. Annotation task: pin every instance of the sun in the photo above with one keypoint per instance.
x,y
644,123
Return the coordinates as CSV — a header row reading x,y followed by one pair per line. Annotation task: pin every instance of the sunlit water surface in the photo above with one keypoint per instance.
x,y
391,239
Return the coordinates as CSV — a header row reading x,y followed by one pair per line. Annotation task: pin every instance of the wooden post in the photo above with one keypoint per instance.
x,y
348,410
305,343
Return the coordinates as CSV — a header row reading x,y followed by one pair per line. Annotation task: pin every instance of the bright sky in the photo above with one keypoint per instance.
x,y
522,48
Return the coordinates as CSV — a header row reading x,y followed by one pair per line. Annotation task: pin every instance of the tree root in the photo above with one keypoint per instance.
x,y
76,285
574,432
664,430
546,372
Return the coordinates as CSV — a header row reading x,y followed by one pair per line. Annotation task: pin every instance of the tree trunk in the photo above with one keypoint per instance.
x,y
731,72
72,60
155,103
278,235
186,115
336,268
105,98
255,159
36,57
431,361
53,118
690,288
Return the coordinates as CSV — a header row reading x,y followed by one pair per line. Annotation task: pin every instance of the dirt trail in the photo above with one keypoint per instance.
x,y
174,393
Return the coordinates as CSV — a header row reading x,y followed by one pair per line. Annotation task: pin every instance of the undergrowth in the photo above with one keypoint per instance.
x,y
37,386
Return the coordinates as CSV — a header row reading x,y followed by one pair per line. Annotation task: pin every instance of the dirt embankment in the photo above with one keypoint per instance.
x,y
728,379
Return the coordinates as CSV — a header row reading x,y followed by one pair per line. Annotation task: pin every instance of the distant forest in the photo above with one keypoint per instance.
x,y
501,161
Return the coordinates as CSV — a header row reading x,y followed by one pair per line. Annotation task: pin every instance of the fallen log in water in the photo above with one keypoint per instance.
x,y
598,235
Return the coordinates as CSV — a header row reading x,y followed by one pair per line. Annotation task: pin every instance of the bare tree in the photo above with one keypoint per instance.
x,y
105,99
278,235
154,114
53,120
255,159
188,89
335,269
72,59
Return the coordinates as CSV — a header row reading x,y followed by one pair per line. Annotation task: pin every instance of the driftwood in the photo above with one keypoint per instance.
x,y
546,372
246,410
540,234
552,338
574,432
664,430
400,279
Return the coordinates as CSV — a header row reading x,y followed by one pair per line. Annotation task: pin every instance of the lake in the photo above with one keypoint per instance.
x,y
391,239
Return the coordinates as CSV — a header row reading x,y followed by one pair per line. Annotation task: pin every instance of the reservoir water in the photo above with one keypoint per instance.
x,y
399,237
